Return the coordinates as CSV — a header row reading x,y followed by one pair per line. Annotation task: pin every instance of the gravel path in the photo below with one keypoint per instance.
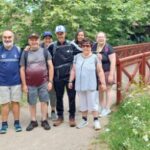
x,y
58,138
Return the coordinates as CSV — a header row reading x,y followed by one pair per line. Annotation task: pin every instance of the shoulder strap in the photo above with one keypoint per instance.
x,y
45,52
18,48
54,48
26,58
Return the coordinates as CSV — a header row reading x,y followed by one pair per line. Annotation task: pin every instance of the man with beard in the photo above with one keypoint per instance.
x,y
10,83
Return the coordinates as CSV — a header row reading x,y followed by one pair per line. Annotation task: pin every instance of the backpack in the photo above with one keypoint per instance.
x,y
45,53
62,70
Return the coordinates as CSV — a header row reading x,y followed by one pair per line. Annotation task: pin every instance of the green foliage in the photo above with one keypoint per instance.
x,y
115,17
129,127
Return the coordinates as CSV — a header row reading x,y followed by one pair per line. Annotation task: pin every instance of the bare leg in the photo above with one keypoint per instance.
x,y
52,108
5,112
16,110
95,114
44,110
102,99
84,113
109,97
32,109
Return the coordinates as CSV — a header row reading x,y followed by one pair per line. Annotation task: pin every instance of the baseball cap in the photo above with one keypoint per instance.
x,y
60,28
33,35
47,33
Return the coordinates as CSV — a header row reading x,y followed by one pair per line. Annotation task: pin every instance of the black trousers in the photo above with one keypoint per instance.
x,y
60,88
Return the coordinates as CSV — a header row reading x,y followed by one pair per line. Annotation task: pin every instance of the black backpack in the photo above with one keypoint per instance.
x,y
62,66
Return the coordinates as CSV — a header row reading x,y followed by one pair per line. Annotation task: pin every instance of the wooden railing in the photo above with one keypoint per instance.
x,y
137,55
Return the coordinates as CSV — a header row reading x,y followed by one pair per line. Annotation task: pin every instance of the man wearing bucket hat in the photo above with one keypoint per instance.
x,y
62,52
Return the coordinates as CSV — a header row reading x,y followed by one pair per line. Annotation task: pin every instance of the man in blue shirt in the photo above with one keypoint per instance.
x,y
10,83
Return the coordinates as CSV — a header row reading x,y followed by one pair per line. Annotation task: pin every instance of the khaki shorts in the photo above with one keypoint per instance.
x,y
10,93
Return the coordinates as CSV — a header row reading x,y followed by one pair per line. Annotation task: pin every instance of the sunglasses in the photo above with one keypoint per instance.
x,y
86,45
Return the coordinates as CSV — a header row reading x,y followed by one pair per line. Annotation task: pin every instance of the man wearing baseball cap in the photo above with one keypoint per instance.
x,y
37,78
62,52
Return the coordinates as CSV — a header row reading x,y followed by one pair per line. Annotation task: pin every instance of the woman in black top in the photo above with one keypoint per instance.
x,y
80,35
107,55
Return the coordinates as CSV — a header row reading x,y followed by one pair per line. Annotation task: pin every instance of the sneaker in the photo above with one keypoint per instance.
x,y
82,124
53,116
72,122
102,112
45,125
17,127
3,130
32,125
97,125
59,121
106,112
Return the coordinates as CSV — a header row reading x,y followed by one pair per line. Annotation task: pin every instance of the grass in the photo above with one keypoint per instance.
x,y
129,127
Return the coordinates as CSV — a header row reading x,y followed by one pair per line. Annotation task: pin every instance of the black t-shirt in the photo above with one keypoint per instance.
x,y
106,51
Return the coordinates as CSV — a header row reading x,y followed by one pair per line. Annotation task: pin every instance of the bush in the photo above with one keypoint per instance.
x,y
129,127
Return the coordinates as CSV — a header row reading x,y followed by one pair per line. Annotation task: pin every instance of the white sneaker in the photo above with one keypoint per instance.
x,y
105,112
102,112
82,124
97,125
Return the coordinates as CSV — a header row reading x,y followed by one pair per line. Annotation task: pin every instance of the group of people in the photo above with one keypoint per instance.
x,y
44,70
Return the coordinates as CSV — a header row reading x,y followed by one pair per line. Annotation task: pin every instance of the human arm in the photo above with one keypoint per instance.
x,y
112,59
51,74
50,49
76,48
101,76
23,79
22,73
72,77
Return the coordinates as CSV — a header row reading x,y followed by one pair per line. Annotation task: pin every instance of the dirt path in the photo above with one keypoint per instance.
x,y
58,138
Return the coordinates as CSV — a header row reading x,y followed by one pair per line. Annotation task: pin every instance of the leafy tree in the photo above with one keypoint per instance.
x,y
115,17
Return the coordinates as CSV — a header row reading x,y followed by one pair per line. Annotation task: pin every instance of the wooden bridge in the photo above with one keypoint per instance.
x,y
137,57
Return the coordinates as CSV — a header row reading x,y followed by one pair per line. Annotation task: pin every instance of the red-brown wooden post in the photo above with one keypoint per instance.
x,y
119,83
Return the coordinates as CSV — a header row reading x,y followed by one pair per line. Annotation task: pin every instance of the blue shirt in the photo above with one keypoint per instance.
x,y
9,66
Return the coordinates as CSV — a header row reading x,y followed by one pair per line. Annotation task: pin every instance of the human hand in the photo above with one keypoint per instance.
x,y
25,88
103,87
27,48
99,56
49,86
70,85
110,79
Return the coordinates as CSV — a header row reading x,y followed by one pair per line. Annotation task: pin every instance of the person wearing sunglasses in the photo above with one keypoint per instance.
x,y
86,68
108,57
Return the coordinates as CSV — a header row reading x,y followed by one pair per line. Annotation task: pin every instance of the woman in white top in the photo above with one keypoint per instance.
x,y
86,68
